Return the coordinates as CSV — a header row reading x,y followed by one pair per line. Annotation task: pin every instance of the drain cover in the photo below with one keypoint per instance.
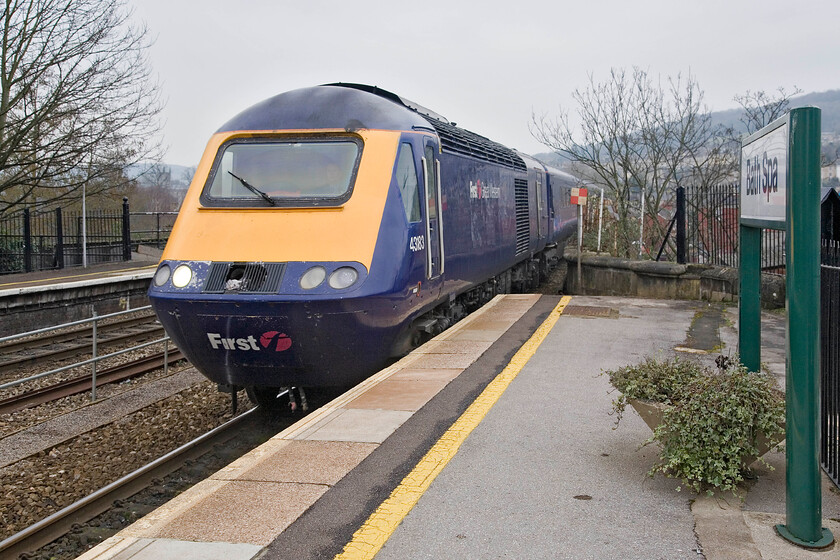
x,y
590,311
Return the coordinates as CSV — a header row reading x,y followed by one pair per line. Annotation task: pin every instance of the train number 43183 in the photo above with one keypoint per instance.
x,y
417,243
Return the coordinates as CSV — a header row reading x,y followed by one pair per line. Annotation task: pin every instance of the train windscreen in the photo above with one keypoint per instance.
x,y
249,172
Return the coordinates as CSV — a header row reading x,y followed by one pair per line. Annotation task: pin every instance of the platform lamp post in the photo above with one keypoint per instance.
x,y
84,228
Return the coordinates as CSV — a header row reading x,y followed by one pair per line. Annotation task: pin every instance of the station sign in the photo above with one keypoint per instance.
x,y
764,176
780,189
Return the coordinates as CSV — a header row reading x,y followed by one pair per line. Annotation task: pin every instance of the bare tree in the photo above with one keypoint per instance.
x,y
762,108
159,175
157,193
187,175
640,140
610,143
77,102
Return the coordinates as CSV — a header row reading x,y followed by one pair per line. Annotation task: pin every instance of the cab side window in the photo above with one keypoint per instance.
x,y
407,182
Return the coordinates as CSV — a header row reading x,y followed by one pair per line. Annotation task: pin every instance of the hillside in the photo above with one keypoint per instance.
x,y
827,101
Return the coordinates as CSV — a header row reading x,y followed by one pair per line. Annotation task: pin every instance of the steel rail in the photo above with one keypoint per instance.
x,y
74,350
94,319
17,382
58,524
84,383
17,346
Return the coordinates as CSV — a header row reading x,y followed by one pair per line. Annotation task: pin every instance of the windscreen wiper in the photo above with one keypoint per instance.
x,y
254,189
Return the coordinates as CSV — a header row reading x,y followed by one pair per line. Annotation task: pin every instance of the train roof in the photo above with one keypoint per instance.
x,y
558,173
358,106
327,106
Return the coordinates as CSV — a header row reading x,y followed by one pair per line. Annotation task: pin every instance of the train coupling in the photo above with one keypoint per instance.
x,y
296,397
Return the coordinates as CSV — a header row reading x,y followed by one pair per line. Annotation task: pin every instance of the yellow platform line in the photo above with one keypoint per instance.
x,y
382,523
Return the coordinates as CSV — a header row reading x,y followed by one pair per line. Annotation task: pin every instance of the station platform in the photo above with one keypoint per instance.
x,y
41,299
494,440
50,278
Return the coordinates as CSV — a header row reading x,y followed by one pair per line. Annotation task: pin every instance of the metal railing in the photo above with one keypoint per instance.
x,y
830,359
31,241
712,230
712,224
95,359
151,228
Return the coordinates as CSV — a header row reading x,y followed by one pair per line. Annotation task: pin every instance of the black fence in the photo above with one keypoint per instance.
x,y
712,224
31,241
711,230
830,358
151,228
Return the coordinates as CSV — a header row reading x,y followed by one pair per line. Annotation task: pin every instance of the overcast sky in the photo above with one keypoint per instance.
x,y
486,65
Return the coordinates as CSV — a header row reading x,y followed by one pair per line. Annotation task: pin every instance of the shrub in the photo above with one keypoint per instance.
x,y
652,380
713,421
714,426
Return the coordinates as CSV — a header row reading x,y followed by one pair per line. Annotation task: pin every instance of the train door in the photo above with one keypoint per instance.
x,y
542,207
433,218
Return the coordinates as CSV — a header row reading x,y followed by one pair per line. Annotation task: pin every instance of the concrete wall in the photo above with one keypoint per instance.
x,y
36,308
605,275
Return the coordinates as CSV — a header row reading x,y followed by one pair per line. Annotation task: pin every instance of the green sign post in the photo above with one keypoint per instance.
x,y
780,189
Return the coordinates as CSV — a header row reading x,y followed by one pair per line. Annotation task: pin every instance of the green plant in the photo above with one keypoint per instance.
x,y
715,424
652,380
11,256
713,420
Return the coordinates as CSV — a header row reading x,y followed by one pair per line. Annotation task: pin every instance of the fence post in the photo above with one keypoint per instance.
x,y
94,356
680,225
59,240
126,231
27,241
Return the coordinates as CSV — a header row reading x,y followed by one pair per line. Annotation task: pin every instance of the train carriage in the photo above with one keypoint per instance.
x,y
330,229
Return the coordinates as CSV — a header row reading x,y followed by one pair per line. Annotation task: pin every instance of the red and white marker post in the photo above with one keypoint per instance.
x,y
579,199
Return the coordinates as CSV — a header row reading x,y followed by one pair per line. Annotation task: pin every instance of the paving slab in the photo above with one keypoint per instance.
x,y
400,394
303,462
243,511
154,549
370,426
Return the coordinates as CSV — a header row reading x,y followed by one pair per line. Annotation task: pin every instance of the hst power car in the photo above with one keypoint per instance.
x,y
332,228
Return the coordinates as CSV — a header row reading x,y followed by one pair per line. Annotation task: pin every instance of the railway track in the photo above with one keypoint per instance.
x,y
62,345
61,522
83,383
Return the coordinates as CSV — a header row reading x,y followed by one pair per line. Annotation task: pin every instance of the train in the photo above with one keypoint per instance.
x,y
330,229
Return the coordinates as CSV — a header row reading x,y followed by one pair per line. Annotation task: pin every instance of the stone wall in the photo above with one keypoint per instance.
x,y
28,309
605,275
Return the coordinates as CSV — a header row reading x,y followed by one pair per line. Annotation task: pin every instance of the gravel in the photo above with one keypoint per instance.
x,y
23,419
43,483
87,535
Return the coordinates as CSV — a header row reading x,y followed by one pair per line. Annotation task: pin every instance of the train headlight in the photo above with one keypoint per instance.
x,y
313,277
343,277
162,275
182,276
